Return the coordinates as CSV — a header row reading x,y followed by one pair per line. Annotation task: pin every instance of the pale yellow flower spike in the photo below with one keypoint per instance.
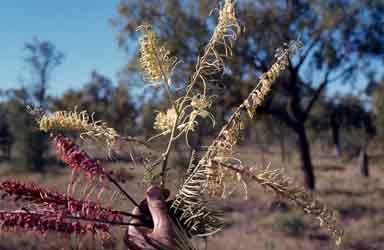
x,y
155,59
283,186
81,122
219,46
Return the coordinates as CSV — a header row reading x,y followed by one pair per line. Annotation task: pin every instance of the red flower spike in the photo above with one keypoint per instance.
x,y
57,202
47,222
75,158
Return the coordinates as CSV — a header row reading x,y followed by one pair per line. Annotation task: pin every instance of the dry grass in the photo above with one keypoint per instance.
x,y
261,222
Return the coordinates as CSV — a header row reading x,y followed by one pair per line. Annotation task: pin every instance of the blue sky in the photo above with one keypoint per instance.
x,y
78,28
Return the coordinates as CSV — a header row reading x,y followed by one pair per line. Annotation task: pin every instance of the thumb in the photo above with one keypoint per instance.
x,y
159,211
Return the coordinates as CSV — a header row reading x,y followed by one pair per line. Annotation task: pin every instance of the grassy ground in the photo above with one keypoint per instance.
x,y
263,221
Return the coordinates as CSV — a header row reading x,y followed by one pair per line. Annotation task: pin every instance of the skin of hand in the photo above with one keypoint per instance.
x,y
163,231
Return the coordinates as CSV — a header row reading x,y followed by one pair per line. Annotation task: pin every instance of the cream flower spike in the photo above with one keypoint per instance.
x,y
81,122
155,59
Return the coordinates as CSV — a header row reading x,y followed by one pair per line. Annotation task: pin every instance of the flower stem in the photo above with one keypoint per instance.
x,y
112,180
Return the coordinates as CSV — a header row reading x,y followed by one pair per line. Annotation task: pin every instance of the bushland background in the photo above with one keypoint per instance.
x,y
323,123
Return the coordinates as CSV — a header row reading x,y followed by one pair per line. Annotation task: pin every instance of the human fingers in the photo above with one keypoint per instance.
x,y
159,211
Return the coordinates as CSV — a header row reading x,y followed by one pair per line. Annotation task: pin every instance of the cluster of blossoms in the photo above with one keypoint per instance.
x,y
200,105
155,59
57,202
76,158
47,222
164,120
187,117
46,211
82,122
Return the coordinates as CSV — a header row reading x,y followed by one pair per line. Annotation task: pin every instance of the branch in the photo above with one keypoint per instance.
x,y
122,190
343,73
113,223
321,87
139,141
72,217
315,96
307,52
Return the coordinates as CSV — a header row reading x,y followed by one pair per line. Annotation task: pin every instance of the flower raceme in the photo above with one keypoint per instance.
x,y
82,122
49,211
45,210
155,59
52,201
47,222
76,158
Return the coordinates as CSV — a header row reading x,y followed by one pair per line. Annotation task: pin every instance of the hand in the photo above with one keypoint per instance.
x,y
163,231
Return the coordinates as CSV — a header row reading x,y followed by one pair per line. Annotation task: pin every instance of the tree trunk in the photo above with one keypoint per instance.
x,y
305,157
364,163
336,136
5,149
8,152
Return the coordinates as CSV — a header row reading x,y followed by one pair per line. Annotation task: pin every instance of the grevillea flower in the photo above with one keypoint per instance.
x,y
154,58
47,222
57,202
82,122
75,158
164,120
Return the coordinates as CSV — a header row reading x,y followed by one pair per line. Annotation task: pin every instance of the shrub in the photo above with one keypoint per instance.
x,y
30,143
291,224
